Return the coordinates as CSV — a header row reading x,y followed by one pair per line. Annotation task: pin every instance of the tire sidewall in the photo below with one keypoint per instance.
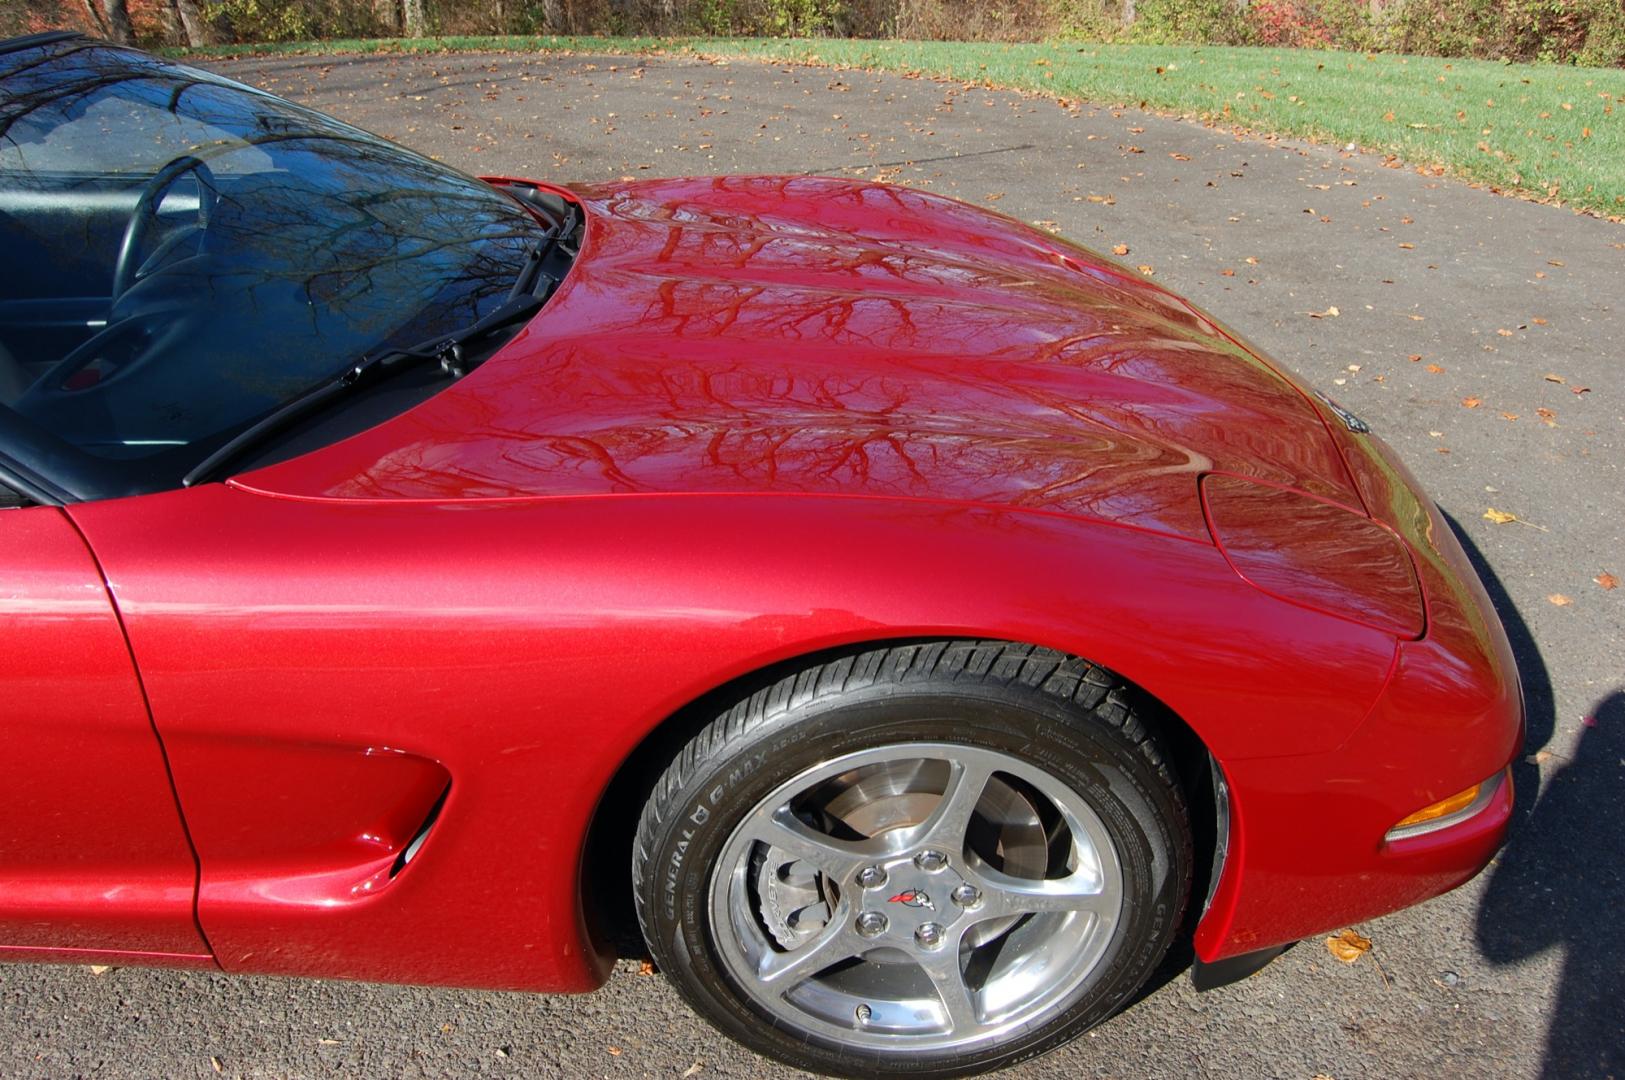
x,y
1139,813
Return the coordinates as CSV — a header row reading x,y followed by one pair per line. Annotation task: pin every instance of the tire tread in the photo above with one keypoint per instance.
x,y
1086,687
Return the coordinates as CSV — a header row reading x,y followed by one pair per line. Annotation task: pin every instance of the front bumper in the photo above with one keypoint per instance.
x,y
1307,847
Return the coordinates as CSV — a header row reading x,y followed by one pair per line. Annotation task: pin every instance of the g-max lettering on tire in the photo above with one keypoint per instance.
x,y
1025,792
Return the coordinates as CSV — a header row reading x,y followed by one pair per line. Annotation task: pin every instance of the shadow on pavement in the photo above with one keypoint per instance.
x,y
1560,882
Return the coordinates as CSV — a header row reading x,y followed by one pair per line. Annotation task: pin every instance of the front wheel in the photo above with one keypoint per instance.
x,y
927,860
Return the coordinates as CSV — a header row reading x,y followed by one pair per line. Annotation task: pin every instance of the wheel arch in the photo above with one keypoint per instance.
x,y
605,881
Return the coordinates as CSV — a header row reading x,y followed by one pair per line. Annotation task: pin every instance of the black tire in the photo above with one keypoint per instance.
x,y
1078,722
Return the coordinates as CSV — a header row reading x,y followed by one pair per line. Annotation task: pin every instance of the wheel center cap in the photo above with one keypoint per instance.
x,y
912,897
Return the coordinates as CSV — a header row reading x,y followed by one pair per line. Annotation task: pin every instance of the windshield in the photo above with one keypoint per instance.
x,y
184,254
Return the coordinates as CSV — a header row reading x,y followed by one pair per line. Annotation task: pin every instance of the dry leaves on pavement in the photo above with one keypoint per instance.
x,y
1348,946
1502,517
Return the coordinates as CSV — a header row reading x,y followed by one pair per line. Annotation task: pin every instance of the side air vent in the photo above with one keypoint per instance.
x,y
410,851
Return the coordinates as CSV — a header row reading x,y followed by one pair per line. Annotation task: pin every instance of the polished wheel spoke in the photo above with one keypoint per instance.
x,y
945,829
906,876
835,942
837,858
1006,895
958,999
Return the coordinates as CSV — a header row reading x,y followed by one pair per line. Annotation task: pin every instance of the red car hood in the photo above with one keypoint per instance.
x,y
755,334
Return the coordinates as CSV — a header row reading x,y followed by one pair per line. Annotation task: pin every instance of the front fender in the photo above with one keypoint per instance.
x,y
527,647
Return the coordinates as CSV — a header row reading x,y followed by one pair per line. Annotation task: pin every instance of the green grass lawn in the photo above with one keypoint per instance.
x,y
1550,132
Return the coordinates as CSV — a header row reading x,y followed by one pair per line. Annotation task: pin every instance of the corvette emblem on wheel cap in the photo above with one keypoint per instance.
x,y
913,898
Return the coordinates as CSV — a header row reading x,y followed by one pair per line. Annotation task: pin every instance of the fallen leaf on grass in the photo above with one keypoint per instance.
x,y
1606,580
1348,946
1559,599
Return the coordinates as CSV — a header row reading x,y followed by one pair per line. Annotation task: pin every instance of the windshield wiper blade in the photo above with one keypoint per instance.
x,y
531,276
447,349
526,281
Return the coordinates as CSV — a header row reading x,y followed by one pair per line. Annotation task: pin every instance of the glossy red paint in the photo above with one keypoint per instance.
x,y
762,418
1451,715
528,646
93,853
1324,555
772,334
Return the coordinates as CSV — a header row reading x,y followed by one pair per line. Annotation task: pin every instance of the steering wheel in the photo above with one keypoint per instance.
x,y
126,272
126,340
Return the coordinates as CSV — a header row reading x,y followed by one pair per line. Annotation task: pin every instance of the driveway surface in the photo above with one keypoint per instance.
x,y
1480,335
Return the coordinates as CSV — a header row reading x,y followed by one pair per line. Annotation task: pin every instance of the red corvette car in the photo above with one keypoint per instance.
x,y
910,627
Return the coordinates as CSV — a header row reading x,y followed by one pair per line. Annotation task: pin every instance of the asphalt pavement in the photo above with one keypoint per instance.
x,y
1481,335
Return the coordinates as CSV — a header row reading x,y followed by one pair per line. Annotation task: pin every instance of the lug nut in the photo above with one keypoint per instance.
x,y
871,923
930,861
864,1012
966,896
872,877
929,935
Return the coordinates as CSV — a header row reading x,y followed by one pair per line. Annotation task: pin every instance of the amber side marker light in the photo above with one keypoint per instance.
x,y
1447,812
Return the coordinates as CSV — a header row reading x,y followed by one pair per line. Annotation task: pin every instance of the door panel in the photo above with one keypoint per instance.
x,y
93,855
